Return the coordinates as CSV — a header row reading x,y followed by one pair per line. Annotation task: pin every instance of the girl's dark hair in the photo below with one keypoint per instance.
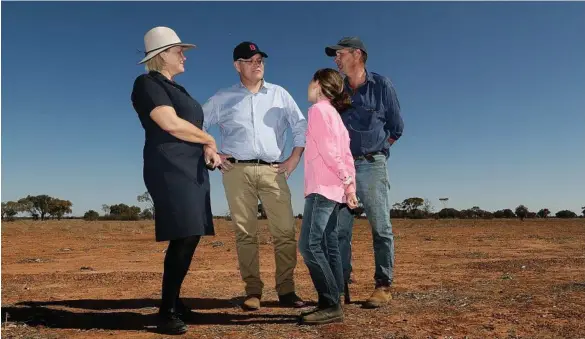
x,y
332,87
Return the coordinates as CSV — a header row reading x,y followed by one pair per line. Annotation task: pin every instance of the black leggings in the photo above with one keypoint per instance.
x,y
177,262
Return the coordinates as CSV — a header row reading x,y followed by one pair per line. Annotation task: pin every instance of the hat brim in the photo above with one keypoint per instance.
x,y
255,52
332,50
155,53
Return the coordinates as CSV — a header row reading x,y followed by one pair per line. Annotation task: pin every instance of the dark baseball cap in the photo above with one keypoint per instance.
x,y
246,50
347,42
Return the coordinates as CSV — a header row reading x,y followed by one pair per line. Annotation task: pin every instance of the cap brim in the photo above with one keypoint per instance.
x,y
256,52
332,50
155,53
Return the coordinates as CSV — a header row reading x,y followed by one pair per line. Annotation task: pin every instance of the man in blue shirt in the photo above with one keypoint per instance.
x,y
253,117
374,124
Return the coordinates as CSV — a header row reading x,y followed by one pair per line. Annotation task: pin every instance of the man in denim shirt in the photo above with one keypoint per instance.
x,y
374,124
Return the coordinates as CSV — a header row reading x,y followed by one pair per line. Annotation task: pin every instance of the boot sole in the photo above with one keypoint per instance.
x,y
173,332
372,305
308,312
323,322
249,308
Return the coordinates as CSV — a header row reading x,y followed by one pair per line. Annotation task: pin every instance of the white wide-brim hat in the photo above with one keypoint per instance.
x,y
158,40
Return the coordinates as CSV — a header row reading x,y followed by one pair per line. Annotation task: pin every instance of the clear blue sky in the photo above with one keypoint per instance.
x,y
492,93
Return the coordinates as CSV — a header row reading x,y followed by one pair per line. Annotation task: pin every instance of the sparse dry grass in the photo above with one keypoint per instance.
x,y
453,278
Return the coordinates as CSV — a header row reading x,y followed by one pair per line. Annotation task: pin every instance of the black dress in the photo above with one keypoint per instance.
x,y
174,172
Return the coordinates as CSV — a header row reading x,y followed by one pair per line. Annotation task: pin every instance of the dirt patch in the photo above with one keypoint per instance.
x,y
453,278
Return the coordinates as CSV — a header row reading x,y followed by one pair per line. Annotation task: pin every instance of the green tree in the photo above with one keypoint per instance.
x,y
10,209
38,204
58,208
566,214
146,198
449,213
543,213
124,212
507,213
583,212
412,204
521,212
91,215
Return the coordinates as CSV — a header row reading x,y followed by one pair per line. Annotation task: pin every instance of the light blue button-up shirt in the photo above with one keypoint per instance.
x,y
253,126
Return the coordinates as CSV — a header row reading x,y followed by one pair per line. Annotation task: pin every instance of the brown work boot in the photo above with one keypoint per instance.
x,y
321,316
252,302
380,297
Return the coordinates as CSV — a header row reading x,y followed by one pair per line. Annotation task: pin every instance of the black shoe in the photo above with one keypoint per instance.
x,y
169,323
328,315
183,311
291,300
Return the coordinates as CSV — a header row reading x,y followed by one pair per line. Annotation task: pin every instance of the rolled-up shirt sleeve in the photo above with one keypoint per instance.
x,y
296,120
394,123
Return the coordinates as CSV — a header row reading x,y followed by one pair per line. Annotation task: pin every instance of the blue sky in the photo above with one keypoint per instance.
x,y
492,93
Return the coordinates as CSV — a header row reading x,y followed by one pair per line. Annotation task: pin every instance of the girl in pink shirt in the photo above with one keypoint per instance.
x,y
329,182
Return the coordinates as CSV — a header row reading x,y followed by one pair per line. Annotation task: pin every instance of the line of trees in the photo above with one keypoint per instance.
x,y
419,208
38,206
43,207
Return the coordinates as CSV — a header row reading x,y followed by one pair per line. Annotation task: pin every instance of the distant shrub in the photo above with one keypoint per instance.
x,y
566,214
91,215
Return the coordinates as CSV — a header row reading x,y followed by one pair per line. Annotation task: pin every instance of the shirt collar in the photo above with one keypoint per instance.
x,y
160,76
264,88
369,78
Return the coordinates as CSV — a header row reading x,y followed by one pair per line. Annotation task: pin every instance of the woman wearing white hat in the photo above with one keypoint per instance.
x,y
176,153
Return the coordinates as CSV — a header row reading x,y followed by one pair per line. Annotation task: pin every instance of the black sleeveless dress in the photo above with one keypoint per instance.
x,y
174,170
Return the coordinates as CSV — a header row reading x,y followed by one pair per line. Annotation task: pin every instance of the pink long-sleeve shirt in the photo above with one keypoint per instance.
x,y
328,159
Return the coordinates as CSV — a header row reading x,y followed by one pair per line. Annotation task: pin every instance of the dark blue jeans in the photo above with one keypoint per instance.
x,y
318,244
373,190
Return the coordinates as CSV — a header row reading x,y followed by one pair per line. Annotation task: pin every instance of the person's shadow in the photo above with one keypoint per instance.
x,y
118,314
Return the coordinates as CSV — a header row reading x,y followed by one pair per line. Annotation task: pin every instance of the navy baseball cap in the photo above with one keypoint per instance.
x,y
347,42
246,50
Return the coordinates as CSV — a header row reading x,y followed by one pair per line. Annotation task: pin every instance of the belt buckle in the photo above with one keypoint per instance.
x,y
369,157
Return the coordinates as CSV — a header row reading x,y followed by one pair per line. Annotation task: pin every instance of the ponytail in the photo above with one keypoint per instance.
x,y
341,102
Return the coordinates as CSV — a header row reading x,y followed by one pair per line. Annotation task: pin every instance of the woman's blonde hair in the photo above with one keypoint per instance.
x,y
157,63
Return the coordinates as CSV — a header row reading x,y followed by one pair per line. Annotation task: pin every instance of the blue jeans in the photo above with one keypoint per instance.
x,y
373,190
318,244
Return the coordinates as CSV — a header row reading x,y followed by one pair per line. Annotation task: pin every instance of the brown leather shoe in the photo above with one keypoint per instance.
x,y
291,300
380,297
252,302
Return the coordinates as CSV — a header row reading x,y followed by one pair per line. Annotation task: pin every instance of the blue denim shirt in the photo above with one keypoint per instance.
x,y
374,117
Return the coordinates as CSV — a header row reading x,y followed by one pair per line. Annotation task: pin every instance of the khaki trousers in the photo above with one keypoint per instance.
x,y
244,185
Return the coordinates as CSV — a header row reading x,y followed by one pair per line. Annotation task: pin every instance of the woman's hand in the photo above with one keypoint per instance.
x,y
351,199
212,159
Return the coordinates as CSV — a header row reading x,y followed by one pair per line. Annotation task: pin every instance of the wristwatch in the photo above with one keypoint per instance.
x,y
347,180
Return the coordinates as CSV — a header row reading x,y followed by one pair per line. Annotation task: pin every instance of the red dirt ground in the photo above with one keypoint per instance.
x,y
457,278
